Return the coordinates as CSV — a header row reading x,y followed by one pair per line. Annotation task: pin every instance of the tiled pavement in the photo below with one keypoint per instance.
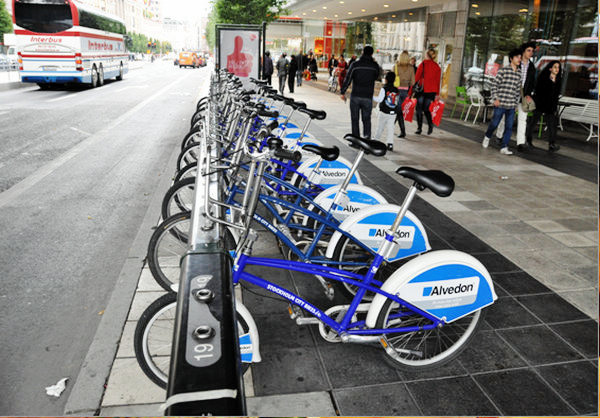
x,y
536,232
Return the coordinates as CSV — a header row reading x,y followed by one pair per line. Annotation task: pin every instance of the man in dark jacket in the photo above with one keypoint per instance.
x,y
302,64
362,75
267,68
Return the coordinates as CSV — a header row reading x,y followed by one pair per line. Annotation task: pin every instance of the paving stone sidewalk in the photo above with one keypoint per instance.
x,y
534,227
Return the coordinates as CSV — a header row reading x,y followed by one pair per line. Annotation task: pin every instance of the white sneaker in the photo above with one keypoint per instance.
x,y
505,151
486,142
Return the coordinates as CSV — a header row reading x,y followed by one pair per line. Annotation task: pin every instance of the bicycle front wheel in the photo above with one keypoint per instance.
x,y
168,244
153,339
426,349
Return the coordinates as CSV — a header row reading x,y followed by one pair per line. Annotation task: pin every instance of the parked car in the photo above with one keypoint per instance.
x,y
188,59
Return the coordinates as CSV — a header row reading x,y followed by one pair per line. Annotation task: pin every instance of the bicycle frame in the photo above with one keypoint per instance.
x,y
362,281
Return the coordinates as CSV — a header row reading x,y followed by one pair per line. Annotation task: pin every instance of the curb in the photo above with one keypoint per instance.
x,y
89,387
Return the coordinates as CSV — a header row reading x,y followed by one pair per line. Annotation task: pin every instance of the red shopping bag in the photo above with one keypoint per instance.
x,y
408,108
437,109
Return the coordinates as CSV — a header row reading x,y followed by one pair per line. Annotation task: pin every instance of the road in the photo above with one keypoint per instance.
x,y
78,168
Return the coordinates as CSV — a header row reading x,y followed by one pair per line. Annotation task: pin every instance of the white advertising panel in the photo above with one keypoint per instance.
x,y
239,51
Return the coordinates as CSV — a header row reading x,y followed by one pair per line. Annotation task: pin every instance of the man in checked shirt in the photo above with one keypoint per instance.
x,y
506,95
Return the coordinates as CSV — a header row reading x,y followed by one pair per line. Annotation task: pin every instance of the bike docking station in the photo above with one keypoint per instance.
x,y
205,376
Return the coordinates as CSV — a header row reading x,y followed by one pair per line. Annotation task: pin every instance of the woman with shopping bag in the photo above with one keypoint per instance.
x,y
427,88
405,78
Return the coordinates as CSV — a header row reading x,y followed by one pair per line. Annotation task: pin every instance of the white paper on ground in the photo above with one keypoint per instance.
x,y
58,388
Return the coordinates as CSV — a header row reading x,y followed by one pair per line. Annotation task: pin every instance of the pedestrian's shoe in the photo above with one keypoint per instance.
x,y
498,141
390,147
429,130
402,135
486,142
418,132
553,147
505,151
522,147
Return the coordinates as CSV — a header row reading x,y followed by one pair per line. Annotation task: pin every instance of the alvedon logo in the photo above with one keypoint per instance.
x,y
447,290
334,173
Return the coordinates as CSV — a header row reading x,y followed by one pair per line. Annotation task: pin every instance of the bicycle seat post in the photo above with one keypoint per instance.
x,y
343,190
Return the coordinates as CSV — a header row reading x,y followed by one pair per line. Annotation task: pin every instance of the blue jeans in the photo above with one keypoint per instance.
x,y
364,106
298,78
509,117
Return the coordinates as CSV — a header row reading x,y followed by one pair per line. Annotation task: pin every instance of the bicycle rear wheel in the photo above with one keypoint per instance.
x,y
426,349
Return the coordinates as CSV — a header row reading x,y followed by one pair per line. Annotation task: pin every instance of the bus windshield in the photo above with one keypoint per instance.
x,y
50,17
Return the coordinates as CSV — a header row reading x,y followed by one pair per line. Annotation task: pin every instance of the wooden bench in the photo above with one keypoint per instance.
x,y
582,111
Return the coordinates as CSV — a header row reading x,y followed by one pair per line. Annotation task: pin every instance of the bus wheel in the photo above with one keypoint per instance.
x,y
94,77
101,76
120,76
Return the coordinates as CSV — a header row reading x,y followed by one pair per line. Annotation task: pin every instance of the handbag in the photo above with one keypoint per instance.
x,y
437,110
408,109
417,89
527,106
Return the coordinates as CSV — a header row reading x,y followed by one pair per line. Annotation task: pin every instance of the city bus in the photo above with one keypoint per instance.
x,y
64,41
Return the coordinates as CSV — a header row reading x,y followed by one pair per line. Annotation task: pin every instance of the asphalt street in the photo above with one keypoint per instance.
x,y
78,168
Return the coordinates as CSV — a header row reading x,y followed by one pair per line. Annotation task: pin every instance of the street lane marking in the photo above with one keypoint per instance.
x,y
9,195
133,87
66,96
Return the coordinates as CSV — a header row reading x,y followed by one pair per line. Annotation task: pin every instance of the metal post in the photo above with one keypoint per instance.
x,y
205,376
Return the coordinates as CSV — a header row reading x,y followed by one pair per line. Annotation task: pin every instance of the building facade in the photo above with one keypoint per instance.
x,y
472,37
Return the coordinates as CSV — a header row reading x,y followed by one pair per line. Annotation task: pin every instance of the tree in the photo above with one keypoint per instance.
x,y
5,21
246,12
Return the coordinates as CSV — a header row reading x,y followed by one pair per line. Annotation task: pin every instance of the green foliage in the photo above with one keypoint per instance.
x,y
137,42
244,12
5,21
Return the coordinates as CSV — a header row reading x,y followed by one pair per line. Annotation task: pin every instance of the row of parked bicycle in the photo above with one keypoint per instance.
x,y
419,305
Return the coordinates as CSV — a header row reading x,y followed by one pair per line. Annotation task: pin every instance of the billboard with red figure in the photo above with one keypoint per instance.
x,y
238,50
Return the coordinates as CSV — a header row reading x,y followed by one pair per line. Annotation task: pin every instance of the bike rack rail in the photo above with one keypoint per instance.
x,y
205,375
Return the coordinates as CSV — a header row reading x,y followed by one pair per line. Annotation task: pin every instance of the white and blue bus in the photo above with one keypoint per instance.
x,y
63,41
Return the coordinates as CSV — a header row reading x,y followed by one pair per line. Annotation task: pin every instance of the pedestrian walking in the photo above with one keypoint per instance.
x,y
312,67
413,62
331,64
282,71
405,79
302,63
362,75
267,68
292,70
428,81
506,94
352,59
545,95
342,70
388,107
528,84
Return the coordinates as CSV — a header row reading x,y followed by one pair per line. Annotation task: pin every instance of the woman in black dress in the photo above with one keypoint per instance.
x,y
545,95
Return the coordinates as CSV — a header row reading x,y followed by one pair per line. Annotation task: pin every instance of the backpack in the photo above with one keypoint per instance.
x,y
390,100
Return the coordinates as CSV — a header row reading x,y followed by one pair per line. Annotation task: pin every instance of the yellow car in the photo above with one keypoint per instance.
x,y
188,59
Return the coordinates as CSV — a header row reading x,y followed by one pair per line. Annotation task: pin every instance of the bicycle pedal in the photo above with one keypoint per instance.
x,y
294,312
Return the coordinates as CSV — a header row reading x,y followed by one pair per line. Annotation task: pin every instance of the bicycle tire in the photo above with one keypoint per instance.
x,y
190,137
459,333
156,364
189,170
166,247
179,197
187,156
